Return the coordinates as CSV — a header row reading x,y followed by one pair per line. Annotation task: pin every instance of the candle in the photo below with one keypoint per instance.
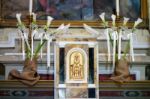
x,y
30,6
117,7
119,45
108,43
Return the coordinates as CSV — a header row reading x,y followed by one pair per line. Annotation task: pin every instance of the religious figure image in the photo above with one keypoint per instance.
x,y
76,67
11,7
107,6
71,9
65,9
130,8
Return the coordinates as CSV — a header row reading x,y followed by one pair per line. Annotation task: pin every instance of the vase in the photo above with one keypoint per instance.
x,y
121,71
29,75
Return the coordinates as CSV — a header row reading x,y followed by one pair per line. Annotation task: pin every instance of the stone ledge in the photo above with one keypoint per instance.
x,y
15,59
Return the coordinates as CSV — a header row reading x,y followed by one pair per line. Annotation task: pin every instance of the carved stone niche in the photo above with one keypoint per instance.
x,y
76,68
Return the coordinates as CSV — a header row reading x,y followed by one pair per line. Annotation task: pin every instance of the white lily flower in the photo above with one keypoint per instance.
x,y
60,27
91,30
18,16
34,33
40,35
49,20
102,16
66,28
46,36
113,19
125,20
137,22
34,17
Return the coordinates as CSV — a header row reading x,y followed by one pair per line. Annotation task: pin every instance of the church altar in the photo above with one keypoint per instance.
x,y
78,39
77,56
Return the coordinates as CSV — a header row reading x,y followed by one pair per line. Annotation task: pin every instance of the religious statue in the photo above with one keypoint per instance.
x,y
76,69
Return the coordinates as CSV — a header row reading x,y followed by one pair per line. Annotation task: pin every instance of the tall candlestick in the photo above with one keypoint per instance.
x,y
30,6
117,7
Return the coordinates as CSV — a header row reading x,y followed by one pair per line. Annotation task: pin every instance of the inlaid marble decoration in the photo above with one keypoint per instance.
x,y
77,93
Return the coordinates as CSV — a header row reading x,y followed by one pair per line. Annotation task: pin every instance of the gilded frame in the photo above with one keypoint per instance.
x,y
144,15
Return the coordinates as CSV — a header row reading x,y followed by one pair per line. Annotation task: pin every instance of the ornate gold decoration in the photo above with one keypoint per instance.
x,y
76,66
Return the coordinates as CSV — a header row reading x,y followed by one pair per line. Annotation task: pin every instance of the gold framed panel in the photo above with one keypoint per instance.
x,y
94,23
76,64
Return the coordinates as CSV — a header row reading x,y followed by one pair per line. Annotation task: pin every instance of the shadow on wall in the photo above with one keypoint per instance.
x,y
2,71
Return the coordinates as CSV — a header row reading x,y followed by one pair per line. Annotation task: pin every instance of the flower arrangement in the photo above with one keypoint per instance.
x,y
29,75
114,36
45,36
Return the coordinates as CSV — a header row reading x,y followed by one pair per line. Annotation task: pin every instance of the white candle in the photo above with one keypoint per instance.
x,y
114,48
119,45
48,53
108,44
117,7
131,47
30,6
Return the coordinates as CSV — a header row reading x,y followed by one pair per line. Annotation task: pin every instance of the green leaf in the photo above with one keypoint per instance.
x,y
39,48
126,49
